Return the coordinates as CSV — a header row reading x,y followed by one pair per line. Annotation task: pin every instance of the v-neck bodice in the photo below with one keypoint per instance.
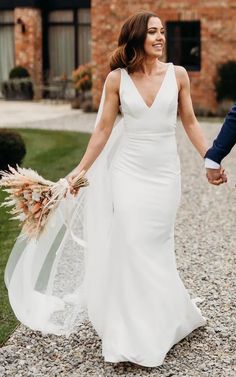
x,y
157,91
161,116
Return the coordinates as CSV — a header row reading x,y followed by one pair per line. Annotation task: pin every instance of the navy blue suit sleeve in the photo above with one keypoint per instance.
x,y
226,139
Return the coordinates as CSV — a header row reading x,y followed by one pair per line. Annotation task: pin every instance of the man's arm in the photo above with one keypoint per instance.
x,y
222,146
226,139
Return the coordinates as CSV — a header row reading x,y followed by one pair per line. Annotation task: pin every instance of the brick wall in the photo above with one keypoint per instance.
x,y
28,45
218,38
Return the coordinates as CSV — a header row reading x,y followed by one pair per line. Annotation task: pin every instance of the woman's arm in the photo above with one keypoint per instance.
x,y
191,124
186,113
103,129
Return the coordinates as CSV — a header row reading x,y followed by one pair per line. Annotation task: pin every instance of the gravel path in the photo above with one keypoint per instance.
x,y
205,251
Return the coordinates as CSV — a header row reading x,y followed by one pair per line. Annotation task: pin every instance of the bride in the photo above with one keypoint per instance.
x,y
107,254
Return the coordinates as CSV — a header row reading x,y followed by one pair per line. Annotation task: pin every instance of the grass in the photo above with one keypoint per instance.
x,y
53,154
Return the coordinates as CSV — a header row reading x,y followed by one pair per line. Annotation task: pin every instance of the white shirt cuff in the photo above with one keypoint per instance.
x,y
210,164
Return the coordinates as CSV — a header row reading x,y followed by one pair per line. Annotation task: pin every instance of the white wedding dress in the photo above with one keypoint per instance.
x,y
143,307
129,286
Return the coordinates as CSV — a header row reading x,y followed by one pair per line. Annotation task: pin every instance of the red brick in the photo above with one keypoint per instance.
x,y
218,39
218,31
28,45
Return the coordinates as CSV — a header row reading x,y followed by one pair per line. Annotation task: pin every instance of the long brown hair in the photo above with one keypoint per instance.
x,y
130,52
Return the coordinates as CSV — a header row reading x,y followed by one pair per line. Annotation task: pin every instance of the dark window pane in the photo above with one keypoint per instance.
x,y
84,36
84,16
61,50
6,16
84,41
183,44
61,16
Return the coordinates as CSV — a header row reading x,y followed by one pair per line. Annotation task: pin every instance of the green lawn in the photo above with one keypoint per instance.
x,y
53,154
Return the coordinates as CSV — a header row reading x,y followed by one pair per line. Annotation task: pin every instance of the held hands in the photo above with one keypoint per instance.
x,y
216,176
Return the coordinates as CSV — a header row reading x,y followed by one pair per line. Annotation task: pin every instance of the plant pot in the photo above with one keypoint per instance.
x,y
18,89
76,103
87,106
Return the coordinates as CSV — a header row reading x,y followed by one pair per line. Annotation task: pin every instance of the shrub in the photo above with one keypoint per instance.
x,y
12,148
225,84
18,72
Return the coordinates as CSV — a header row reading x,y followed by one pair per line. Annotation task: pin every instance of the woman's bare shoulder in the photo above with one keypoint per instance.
x,y
113,79
181,76
180,72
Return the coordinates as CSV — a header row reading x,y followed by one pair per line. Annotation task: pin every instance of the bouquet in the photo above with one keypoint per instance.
x,y
33,198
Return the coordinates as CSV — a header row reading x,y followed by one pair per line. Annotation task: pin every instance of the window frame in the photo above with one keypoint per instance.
x,y
42,4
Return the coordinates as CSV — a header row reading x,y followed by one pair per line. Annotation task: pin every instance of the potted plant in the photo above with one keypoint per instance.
x,y
19,86
82,78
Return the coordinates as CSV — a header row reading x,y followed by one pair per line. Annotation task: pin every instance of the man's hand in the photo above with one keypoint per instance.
x,y
216,176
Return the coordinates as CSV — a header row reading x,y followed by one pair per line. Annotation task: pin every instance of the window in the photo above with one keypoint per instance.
x,y
69,40
61,43
6,43
184,44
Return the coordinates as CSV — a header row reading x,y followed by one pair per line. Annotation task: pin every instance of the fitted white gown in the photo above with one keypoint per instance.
x,y
120,231
143,308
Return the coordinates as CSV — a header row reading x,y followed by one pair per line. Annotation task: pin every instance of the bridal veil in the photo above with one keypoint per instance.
x,y
51,281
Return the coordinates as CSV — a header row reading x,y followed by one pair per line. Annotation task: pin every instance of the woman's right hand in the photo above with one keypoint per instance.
x,y
71,179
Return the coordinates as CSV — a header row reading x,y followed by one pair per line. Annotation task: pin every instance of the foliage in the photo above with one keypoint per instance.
x,y
82,77
225,84
18,72
12,148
